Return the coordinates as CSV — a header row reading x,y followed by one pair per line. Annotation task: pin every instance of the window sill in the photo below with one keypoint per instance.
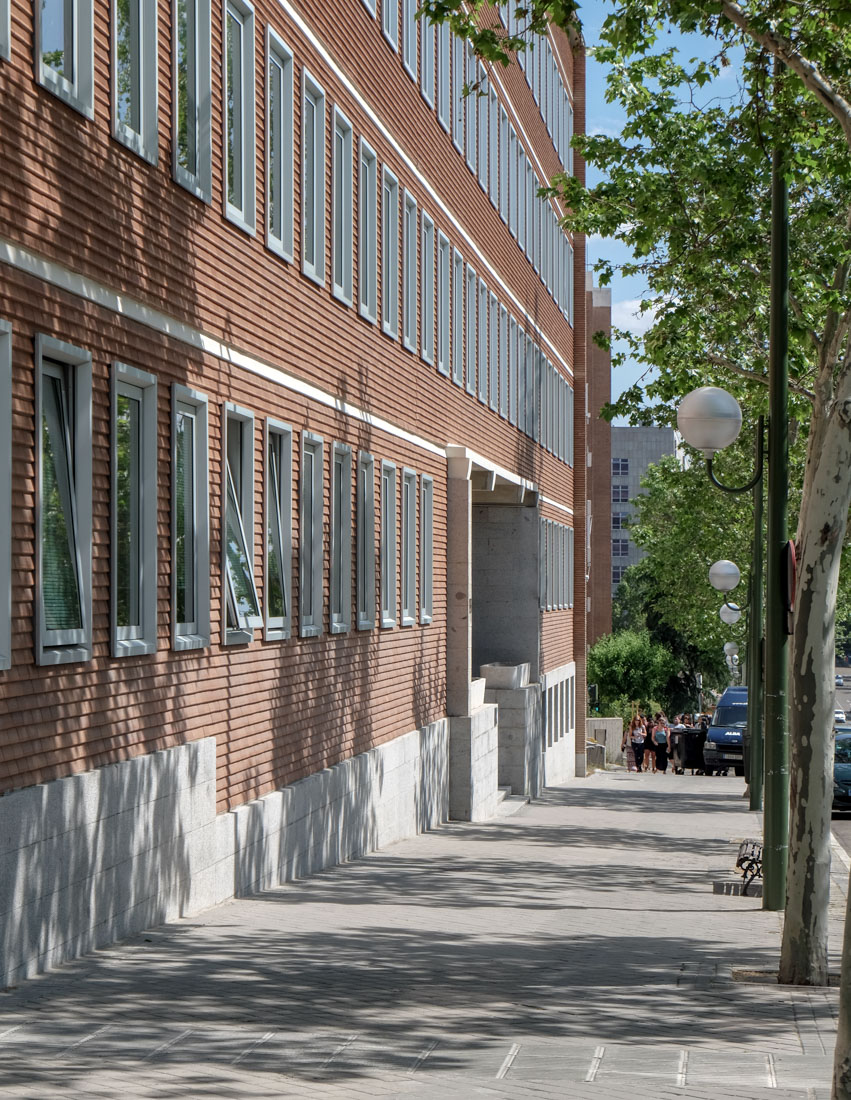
x,y
185,642
310,631
276,634
58,86
135,143
238,637
277,247
132,647
63,655
340,628
388,624
366,624
236,218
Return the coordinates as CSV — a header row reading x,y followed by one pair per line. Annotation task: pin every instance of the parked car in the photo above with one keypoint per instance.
x,y
839,716
842,769
723,747
840,682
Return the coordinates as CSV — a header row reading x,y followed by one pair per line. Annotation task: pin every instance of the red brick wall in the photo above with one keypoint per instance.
x,y
71,193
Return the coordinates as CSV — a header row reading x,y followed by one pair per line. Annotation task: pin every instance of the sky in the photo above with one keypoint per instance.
x,y
607,118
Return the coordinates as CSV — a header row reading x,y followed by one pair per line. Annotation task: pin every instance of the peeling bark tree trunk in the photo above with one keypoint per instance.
x,y
842,1053
821,531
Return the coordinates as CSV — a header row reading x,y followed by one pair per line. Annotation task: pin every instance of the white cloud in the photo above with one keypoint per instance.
x,y
627,315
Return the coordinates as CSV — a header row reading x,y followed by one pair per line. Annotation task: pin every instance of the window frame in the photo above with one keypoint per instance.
x,y
143,141
367,233
427,288
279,53
471,112
493,122
53,647
458,331
504,351
493,352
365,564
5,55
483,105
341,540
443,345
483,326
426,549
242,633
503,163
409,271
79,92
244,216
409,38
408,557
198,405
124,643
428,62
471,300
199,105
315,269
459,103
390,282
513,371
6,475
342,209
388,542
444,75
311,625
390,26
278,627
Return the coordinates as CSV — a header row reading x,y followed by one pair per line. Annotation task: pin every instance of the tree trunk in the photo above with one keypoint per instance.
x,y
821,530
842,1054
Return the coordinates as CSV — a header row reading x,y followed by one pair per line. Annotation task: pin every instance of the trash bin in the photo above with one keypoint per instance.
x,y
687,749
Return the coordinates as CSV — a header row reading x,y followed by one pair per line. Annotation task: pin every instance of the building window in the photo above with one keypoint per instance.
x,y
65,51
472,331
427,283
619,521
409,274
522,352
390,255
409,36
311,551
134,512
620,467
512,372
521,198
238,60
427,62
472,112
512,180
493,122
134,68
503,361
368,234
242,604
409,547
503,164
617,573
191,153
444,295
64,503
342,184
457,318
390,21
366,541
388,544
483,341
279,94
620,548
5,54
493,352
5,491
444,75
341,539
279,525
620,494
426,549
313,181
482,101
190,520
458,99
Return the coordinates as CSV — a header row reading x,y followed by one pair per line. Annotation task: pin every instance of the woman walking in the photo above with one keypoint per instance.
x,y
633,742
661,743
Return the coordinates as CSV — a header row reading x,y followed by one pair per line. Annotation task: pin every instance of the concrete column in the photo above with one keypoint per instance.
x,y
459,586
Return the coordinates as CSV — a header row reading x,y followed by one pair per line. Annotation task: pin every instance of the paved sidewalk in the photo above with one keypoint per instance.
x,y
575,949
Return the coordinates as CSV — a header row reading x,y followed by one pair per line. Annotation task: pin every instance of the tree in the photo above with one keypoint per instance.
x,y
627,667
688,191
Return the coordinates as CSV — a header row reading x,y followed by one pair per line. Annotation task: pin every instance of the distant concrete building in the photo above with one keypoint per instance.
x,y
598,311
633,450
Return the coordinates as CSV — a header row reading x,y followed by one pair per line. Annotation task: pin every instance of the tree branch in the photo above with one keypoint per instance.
x,y
809,73
743,372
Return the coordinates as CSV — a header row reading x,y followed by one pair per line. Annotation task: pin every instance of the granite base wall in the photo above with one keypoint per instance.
x,y
473,765
95,857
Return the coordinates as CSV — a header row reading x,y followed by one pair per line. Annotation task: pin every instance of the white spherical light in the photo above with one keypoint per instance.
x,y
724,575
730,613
731,649
709,419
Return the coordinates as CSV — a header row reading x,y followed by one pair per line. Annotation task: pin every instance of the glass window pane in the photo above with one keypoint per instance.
x,y
57,36
276,78
128,59
234,109
185,46
185,518
309,181
128,519
237,558
277,596
59,567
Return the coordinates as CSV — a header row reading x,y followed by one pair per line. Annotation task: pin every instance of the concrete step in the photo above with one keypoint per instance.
x,y
508,803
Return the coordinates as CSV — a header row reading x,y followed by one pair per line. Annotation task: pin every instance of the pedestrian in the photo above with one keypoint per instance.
x,y
661,743
649,755
633,742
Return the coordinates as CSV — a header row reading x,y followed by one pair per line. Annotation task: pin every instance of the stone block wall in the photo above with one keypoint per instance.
x,y
473,765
